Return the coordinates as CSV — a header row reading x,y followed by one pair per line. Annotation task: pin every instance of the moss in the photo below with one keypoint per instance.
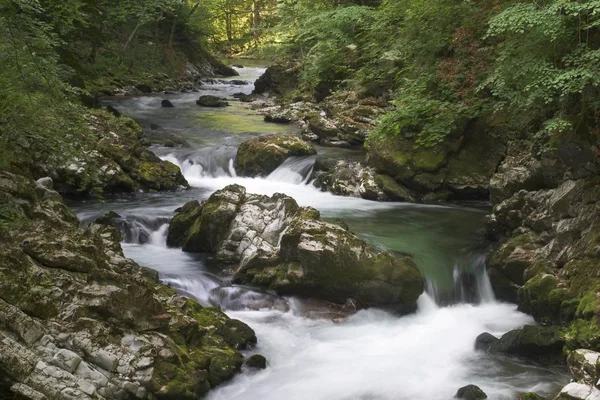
x,y
392,189
582,275
263,154
542,298
589,304
429,160
583,334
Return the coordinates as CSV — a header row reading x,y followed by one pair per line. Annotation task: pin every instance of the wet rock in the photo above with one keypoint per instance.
x,y
530,396
263,154
109,329
277,79
115,161
484,341
277,118
142,87
275,244
238,82
393,190
166,104
531,341
349,178
211,101
237,65
470,392
583,365
113,111
256,361
578,391
44,189
243,97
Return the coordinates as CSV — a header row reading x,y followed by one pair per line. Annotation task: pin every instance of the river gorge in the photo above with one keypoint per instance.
x,y
312,351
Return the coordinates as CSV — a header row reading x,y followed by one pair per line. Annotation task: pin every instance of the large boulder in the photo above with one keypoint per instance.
x,y
82,321
278,79
531,341
263,154
111,159
458,169
273,243
348,178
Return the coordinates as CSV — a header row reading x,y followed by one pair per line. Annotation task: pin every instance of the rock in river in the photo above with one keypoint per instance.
x,y
211,101
263,154
275,244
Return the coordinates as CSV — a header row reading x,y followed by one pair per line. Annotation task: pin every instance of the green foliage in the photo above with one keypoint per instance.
x,y
331,43
548,65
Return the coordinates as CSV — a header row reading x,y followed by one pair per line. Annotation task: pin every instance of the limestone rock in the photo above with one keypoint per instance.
x,y
263,154
81,321
275,244
348,178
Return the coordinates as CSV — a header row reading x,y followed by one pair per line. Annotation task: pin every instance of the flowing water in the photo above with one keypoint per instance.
x,y
371,355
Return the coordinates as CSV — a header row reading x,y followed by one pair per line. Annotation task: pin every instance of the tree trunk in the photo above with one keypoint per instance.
x,y
172,33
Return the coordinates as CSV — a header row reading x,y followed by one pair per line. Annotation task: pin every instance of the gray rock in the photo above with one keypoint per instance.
x,y
66,360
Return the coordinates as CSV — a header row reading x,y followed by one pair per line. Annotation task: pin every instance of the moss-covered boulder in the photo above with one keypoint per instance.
x,y
79,318
531,341
277,245
113,160
278,79
211,101
262,155
458,169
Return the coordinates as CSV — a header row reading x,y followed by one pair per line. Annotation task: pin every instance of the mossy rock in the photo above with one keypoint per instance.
x,y
211,101
583,334
256,361
202,228
470,392
278,79
531,341
530,396
262,155
542,297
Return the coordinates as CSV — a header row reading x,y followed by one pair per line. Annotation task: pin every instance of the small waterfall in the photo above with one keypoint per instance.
x,y
207,162
470,283
143,229
295,170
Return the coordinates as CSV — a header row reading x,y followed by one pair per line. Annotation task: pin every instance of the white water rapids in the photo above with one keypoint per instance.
x,y
371,355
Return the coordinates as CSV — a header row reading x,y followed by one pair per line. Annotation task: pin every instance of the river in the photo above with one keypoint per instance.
x,y
372,355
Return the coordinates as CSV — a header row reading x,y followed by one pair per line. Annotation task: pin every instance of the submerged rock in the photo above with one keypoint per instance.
x,y
484,341
211,101
82,321
256,361
273,243
530,396
166,104
263,154
470,392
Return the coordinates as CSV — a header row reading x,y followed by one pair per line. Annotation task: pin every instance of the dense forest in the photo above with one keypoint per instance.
x,y
372,199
